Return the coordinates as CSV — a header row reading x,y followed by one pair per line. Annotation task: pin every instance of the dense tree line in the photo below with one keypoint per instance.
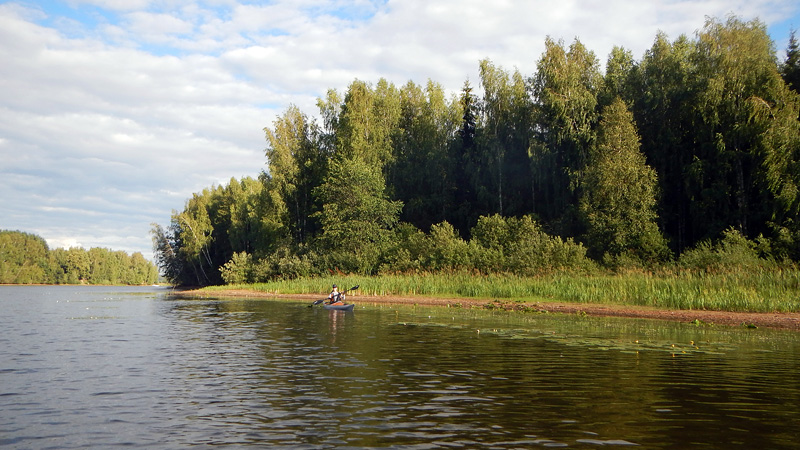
x,y
26,259
698,140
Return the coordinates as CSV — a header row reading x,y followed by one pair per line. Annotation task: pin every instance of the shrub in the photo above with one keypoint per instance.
x,y
407,250
785,243
519,245
446,250
238,270
286,265
731,252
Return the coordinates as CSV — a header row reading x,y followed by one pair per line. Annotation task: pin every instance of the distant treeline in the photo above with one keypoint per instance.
x,y
26,259
671,158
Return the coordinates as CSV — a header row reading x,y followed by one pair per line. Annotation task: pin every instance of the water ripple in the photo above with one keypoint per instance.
x,y
165,373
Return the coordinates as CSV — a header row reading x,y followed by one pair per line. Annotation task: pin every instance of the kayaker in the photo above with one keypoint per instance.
x,y
335,295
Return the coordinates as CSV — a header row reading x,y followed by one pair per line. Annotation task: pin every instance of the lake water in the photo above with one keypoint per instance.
x,y
107,367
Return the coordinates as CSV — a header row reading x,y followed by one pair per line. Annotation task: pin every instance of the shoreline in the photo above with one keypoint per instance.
x,y
782,321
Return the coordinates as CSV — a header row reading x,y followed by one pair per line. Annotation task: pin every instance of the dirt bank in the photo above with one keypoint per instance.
x,y
789,321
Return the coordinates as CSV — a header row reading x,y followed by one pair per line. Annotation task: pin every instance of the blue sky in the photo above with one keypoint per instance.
x,y
113,112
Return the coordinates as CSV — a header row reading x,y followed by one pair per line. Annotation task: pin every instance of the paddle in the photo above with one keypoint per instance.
x,y
317,302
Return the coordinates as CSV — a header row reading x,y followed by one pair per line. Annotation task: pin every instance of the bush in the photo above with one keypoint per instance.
x,y
446,250
520,246
732,252
238,270
285,264
785,244
407,251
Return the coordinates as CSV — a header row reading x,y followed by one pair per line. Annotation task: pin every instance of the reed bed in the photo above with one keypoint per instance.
x,y
745,291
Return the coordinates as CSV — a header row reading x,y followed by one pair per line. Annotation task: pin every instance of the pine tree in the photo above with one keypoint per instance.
x,y
462,163
791,66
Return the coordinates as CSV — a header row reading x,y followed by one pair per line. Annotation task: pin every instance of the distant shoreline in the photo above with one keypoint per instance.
x,y
783,321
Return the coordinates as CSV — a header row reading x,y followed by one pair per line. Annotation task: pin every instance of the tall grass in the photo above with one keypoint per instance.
x,y
768,290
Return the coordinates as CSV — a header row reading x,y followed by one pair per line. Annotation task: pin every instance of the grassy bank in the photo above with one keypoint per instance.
x,y
746,291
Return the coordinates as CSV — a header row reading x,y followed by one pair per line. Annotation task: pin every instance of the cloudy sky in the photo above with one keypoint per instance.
x,y
113,112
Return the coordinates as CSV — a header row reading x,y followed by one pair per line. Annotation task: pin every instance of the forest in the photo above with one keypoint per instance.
x,y
688,157
26,259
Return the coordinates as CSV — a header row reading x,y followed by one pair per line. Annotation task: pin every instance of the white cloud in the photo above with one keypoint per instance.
x,y
112,112
115,5
63,242
158,27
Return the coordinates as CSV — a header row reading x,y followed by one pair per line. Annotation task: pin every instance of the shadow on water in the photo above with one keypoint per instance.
x,y
151,370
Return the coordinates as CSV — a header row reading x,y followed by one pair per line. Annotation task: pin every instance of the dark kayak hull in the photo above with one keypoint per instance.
x,y
339,307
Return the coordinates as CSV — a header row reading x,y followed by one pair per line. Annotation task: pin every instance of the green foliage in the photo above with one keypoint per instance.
x,y
785,244
498,244
356,217
778,150
165,249
215,224
446,250
790,71
238,270
23,258
502,175
285,264
419,172
520,246
742,117
641,162
618,77
619,193
366,122
26,259
462,161
661,91
565,88
567,83
408,251
296,167
731,253
752,291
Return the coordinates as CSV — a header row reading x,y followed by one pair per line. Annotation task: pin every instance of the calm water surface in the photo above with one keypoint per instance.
x,y
100,367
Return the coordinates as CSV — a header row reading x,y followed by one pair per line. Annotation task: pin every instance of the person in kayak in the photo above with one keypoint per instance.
x,y
335,295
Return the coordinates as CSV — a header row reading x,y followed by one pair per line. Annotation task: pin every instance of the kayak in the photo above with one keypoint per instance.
x,y
340,306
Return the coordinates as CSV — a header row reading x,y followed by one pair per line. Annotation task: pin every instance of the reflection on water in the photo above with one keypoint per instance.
x,y
106,367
